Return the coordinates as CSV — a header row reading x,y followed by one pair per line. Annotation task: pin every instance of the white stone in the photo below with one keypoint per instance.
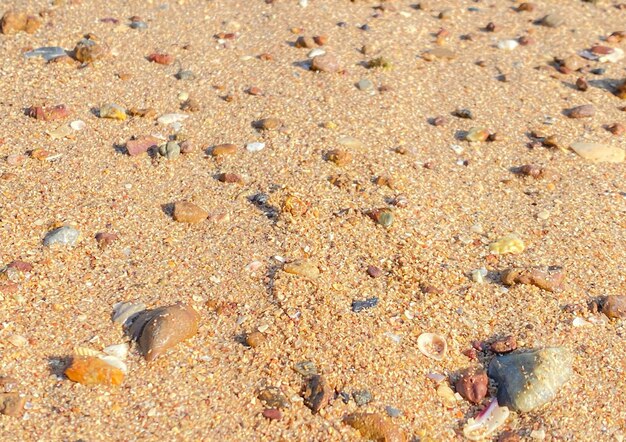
x,y
255,147
598,152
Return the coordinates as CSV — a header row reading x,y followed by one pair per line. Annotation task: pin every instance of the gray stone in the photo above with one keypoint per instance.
x,y
364,84
65,236
362,397
529,380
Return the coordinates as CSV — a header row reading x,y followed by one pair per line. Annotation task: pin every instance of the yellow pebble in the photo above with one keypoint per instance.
x,y
113,111
511,243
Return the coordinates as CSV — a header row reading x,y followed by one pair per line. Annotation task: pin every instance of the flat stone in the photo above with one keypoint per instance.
x,y
91,370
359,306
549,279
141,145
302,267
362,397
599,152
64,236
374,426
112,111
12,404
584,111
365,84
325,63
187,212
439,53
529,380
273,397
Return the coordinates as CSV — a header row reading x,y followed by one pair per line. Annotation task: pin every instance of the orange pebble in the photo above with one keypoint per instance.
x,y
90,370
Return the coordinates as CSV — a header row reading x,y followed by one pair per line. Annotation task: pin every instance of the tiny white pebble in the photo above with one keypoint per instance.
x,y
543,215
509,45
183,96
457,149
315,52
263,328
77,125
255,147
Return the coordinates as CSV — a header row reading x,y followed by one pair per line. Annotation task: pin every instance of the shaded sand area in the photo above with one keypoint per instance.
x,y
364,187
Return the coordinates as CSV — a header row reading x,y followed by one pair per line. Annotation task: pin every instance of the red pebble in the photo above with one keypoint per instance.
x,y
166,59
272,414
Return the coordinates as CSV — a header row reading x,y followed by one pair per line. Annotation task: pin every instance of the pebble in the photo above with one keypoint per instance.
x,y
12,403
374,271
511,243
614,306
325,63
166,119
339,157
365,84
379,62
88,51
231,178
392,411
165,59
383,217
14,21
185,74
305,42
112,111
255,146
269,124
187,212
599,152
362,397
621,91
584,111
64,236
359,306
508,436
529,380
272,414
158,330
170,150
302,267
477,134
141,145
57,112
316,393
92,370
552,20
273,397
317,52
550,280
504,345
617,129
509,45
439,53
78,125
255,339
376,427
140,25
472,386
224,149
305,368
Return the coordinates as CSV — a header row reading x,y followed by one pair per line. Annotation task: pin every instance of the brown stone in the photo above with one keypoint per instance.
x,y
255,91
305,42
88,51
325,63
376,427
582,84
224,149
231,178
621,91
186,212
508,436
320,40
269,124
549,280
272,414
316,393
339,157
504,345
157,58
158,330
13,21
141,145
21,266
584,111
472,386
617,129
12,404
255,339
105,239
374,271
615,306
57,112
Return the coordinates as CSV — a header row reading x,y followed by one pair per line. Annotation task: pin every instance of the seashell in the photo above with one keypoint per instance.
x,y
432,346
488,421
85,351
120,351
158,330
124,311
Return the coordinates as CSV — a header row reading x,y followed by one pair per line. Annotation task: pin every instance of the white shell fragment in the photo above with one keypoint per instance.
x,y
598,152
119,351
488,421
171,118
77,125
255,147
613,57
432,346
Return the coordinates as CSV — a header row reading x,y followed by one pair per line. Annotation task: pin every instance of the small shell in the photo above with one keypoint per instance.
x,y
85,351
432,346
120,351
486,422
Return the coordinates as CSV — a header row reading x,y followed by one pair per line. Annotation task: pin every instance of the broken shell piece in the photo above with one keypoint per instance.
x,y
488,421
114,362
432,346
124,311
120,351
447,396
85,351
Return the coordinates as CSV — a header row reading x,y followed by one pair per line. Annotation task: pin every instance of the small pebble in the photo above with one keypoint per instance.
x,y
302,267
472,386
272,414
376,427
165,59
359,306
64,236
614,306
504,345
224,149
91,370
187,212
362,397
365,85
584,111
112,111
255,147
316,393
374,271
599,152
255,339
325,63
12,403
105,239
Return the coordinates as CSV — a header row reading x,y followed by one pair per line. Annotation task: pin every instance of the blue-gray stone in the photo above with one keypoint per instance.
x,y
65,236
